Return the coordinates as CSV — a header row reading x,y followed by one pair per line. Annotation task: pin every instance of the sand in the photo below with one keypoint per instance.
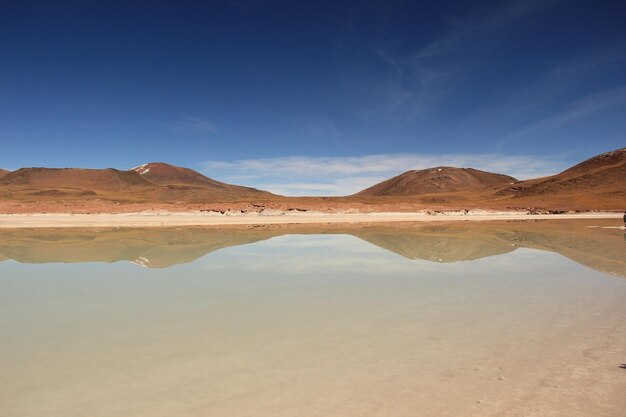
x,y
167,219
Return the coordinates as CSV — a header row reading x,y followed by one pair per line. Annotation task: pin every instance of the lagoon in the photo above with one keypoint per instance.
x,y
491,319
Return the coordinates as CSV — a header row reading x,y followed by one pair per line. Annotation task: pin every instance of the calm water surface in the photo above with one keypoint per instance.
x,y
500,319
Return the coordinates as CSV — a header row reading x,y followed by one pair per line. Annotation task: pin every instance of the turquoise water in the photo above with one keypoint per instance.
x,y
463,320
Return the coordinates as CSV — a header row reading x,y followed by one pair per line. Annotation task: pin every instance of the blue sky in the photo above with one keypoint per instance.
x,y
316,97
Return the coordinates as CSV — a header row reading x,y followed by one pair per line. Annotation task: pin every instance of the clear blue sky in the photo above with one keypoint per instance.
x,y
311,97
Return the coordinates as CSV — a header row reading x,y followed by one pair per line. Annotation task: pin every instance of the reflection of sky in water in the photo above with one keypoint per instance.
x,y
343,254
311,325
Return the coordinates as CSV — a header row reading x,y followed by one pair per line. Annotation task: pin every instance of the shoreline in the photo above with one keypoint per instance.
x,y
168,219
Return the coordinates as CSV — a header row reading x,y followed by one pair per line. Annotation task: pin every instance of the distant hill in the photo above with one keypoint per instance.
x,y
165,174
598,183
76,178
153,182
604,175
436,180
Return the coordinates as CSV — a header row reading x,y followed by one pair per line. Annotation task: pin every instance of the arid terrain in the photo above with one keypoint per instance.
x,y
597,184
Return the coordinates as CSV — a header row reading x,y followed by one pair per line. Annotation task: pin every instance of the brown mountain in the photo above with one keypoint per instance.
x,y
436,180
595,184
165,174
603,175
3,172
598,183
73,178
154,182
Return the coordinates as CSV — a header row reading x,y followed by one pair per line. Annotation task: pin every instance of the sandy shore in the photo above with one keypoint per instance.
x,y
165,219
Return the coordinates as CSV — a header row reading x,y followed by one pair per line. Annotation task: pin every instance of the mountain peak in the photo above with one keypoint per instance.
x,y
604,174
603,161
440,179
161,173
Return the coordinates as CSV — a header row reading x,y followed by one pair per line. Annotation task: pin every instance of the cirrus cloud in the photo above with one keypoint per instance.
x,y
332,176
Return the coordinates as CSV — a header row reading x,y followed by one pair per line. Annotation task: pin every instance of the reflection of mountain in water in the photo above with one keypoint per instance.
x,y
437,243
154,248
601,249
597,248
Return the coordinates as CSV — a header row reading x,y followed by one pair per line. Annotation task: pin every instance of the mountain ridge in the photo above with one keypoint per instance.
x,y
594,184
148,182
605,173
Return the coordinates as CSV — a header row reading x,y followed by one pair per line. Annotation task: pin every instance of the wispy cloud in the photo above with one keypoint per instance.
x,y
191,123
560,93
321,127
299,175
574,111
468,30
422,79
198,124
610,56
